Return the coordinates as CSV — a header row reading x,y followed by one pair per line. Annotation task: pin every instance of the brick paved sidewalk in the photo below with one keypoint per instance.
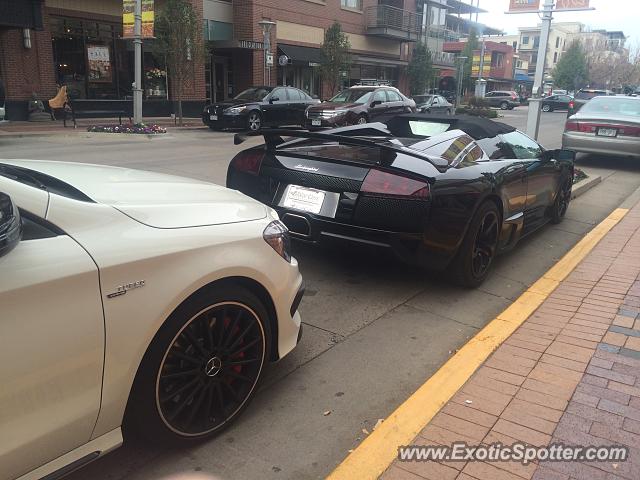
x,y
570,374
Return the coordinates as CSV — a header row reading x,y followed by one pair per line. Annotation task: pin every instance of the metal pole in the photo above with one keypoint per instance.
x,y
137,45
482,49
265,41
533,118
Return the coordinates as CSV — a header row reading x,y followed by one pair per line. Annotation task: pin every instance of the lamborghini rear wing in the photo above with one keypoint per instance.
x,y
275,138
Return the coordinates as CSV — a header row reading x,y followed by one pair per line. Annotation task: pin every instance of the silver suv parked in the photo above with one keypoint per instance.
x,y
506,100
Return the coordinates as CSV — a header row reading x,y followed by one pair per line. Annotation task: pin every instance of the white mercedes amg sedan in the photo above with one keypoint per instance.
x,y
133,299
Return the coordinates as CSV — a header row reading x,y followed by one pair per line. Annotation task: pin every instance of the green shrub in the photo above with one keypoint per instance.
x,y
478,112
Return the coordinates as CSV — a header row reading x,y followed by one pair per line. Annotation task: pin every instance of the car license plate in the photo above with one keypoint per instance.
x,y
608,132
304,199
316,123
213,117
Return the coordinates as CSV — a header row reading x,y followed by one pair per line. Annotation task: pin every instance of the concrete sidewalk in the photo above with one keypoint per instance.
x,y
569,374
57,126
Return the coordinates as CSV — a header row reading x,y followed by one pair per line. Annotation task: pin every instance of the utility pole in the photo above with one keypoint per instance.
x,y
533,118
137,46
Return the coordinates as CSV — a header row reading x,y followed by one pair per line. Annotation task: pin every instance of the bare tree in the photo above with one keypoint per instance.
x,y
612,68
178,32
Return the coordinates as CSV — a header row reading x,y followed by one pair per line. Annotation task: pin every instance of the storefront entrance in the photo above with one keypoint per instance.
x,y
218,79
304,78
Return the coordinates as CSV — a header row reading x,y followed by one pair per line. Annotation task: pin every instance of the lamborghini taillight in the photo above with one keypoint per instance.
x,y
389,184
248,161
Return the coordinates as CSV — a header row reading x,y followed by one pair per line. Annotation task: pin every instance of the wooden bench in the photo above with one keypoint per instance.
x,y
99,109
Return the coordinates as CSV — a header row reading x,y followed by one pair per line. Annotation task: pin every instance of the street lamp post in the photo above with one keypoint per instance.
x,y
460,73
266,26
137,47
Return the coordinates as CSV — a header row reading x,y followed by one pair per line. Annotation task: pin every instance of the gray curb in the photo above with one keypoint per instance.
x,y
584,185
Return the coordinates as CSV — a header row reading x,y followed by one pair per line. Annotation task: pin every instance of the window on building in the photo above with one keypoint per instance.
x,y
214,30
536,42
534,58
557,42
354,4
555,57
515,45
525,40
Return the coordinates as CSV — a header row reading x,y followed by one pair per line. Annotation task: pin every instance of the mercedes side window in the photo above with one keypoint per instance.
x,y
280,94
294,95
379,96
523,147
393,96
496,148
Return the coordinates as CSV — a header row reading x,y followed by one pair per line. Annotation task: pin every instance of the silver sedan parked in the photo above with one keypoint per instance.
x,y
605,125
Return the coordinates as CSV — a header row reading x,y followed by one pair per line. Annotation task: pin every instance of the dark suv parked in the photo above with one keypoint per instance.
x,y
257,107
504,99
358,105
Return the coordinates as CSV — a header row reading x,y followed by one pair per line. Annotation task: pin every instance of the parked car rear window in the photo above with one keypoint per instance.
x,y
582,95
611,105
427,129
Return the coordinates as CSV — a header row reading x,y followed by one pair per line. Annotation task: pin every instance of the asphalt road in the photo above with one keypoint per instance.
x,y
374,330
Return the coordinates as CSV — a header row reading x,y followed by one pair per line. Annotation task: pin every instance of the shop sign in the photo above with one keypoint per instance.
x,y
128,18
314,64
524,5
99,58
572,4
251,45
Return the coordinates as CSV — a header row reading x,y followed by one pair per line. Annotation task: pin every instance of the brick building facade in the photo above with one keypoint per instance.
x,y
380,32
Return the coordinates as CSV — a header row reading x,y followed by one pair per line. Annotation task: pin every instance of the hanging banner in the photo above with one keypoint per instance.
x,y
99,59
524,5
572,4
128,18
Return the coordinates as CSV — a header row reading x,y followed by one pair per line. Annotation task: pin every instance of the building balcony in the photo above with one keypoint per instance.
x,y
391,22
442,33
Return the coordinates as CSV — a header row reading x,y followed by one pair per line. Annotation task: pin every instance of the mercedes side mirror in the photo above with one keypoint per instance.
x,y
558,154
10,224
274,99
375,103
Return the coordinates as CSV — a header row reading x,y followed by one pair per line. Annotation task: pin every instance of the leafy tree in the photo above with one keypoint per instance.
x,y
178,38
335,55
571,72
420,69
471,46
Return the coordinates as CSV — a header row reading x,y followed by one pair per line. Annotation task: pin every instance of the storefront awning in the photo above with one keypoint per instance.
x,y
303,56
522,77
385,62
21,14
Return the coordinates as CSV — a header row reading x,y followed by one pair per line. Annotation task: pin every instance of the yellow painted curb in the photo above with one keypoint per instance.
x,y
378,450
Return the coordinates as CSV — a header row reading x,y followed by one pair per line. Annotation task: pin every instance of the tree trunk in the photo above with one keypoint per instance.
x,y
179,95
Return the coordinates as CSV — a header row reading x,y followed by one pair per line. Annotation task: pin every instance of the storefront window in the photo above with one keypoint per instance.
x,y
94,62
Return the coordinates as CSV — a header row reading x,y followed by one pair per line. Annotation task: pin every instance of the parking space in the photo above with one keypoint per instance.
x,y
370,323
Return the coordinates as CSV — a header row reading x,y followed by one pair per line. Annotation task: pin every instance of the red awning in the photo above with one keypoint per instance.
x,y
447,73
